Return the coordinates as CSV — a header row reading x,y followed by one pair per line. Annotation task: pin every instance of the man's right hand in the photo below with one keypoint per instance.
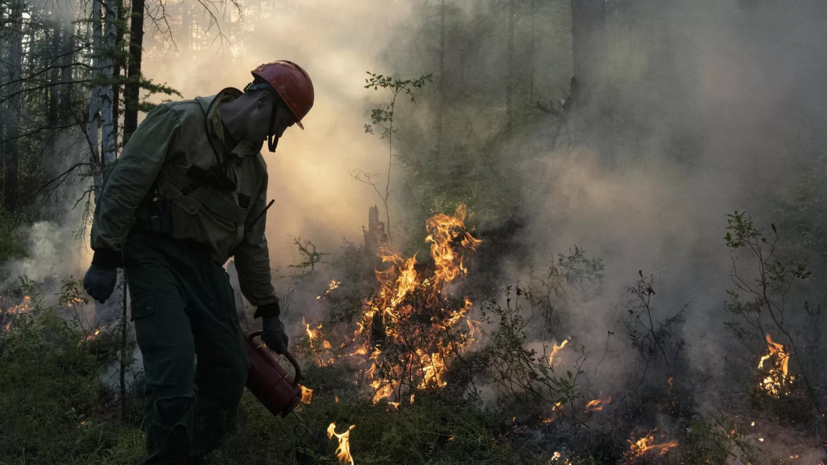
x,y
274,335
100,282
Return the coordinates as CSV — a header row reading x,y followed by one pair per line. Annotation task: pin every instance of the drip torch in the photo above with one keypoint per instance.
x,y
269,382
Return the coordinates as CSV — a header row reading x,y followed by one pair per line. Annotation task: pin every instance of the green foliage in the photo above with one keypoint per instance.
x,y
521,375
716,441
55,409
309,255
432,430
772,312
651,338
383,117
565,283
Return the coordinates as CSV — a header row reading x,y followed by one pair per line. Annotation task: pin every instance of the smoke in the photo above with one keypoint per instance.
x,y
712,107
316,197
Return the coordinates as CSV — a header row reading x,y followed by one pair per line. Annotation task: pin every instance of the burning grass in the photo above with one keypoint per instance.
x,y
408,365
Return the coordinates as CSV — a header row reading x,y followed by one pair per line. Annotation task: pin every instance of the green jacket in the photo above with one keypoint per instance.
x,y
172,139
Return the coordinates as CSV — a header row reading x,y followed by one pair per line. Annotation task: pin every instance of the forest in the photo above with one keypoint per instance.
x,y
511,231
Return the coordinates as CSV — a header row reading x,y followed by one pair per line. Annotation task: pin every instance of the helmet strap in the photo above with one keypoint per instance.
x,y
272,140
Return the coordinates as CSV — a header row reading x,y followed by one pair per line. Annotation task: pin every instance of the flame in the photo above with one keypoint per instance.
x,y
558,458
311,333
8,316
330,288
307,395
597,404
556,410
92,336
647,443
410,330
555,350
343,451
318,344
777,381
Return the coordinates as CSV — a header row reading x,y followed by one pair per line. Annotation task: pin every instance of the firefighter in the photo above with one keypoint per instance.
x,y
189,192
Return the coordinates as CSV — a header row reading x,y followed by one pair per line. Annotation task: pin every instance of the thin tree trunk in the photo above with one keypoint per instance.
x,y
110,141
123,357
509,85
441,105
531,56
116,72
133,76
11,157
186,28
94,117
66,71
54,78
588,19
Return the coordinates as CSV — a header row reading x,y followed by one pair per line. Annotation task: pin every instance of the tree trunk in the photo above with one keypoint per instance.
x,y
509,84
186,27
116,72
133,76
110,138
93,121
54,79
11,157
441,104
531,57
66,71
588,25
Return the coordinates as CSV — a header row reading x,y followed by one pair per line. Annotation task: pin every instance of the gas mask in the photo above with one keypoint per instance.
x,y
272,139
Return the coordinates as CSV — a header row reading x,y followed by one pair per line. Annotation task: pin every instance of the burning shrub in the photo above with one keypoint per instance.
x,y
767,304
412,328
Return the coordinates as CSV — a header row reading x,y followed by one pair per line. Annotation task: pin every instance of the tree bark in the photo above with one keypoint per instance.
x,y
116,72
133,75
94,116
110,138
531,56
11,158
441,104
509,59
54,79
66,71
588,25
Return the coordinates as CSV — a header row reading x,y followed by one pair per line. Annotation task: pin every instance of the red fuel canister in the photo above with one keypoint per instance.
x,y
268,381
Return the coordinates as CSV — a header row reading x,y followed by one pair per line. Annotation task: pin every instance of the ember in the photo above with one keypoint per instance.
x,y
647,443
92,336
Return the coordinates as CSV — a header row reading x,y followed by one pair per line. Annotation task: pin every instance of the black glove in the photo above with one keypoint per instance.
x,y
274,335
100,282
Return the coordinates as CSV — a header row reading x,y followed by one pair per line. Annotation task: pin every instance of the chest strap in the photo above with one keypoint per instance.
x,y
212,199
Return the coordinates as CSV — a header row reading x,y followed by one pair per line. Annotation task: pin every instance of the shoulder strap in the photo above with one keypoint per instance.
x,y
205,194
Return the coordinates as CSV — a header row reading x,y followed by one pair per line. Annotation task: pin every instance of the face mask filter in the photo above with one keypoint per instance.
x,y
272,140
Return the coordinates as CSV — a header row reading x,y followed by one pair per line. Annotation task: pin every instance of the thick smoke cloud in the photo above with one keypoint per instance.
x,y
316,198
726,103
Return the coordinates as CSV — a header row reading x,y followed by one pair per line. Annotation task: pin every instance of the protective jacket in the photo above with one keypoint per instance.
x,y
175,175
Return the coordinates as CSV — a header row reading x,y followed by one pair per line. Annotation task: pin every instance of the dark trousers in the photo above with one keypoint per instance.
x,y
183,308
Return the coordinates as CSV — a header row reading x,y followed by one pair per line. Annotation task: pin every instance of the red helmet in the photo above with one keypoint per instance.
x,y
292,84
